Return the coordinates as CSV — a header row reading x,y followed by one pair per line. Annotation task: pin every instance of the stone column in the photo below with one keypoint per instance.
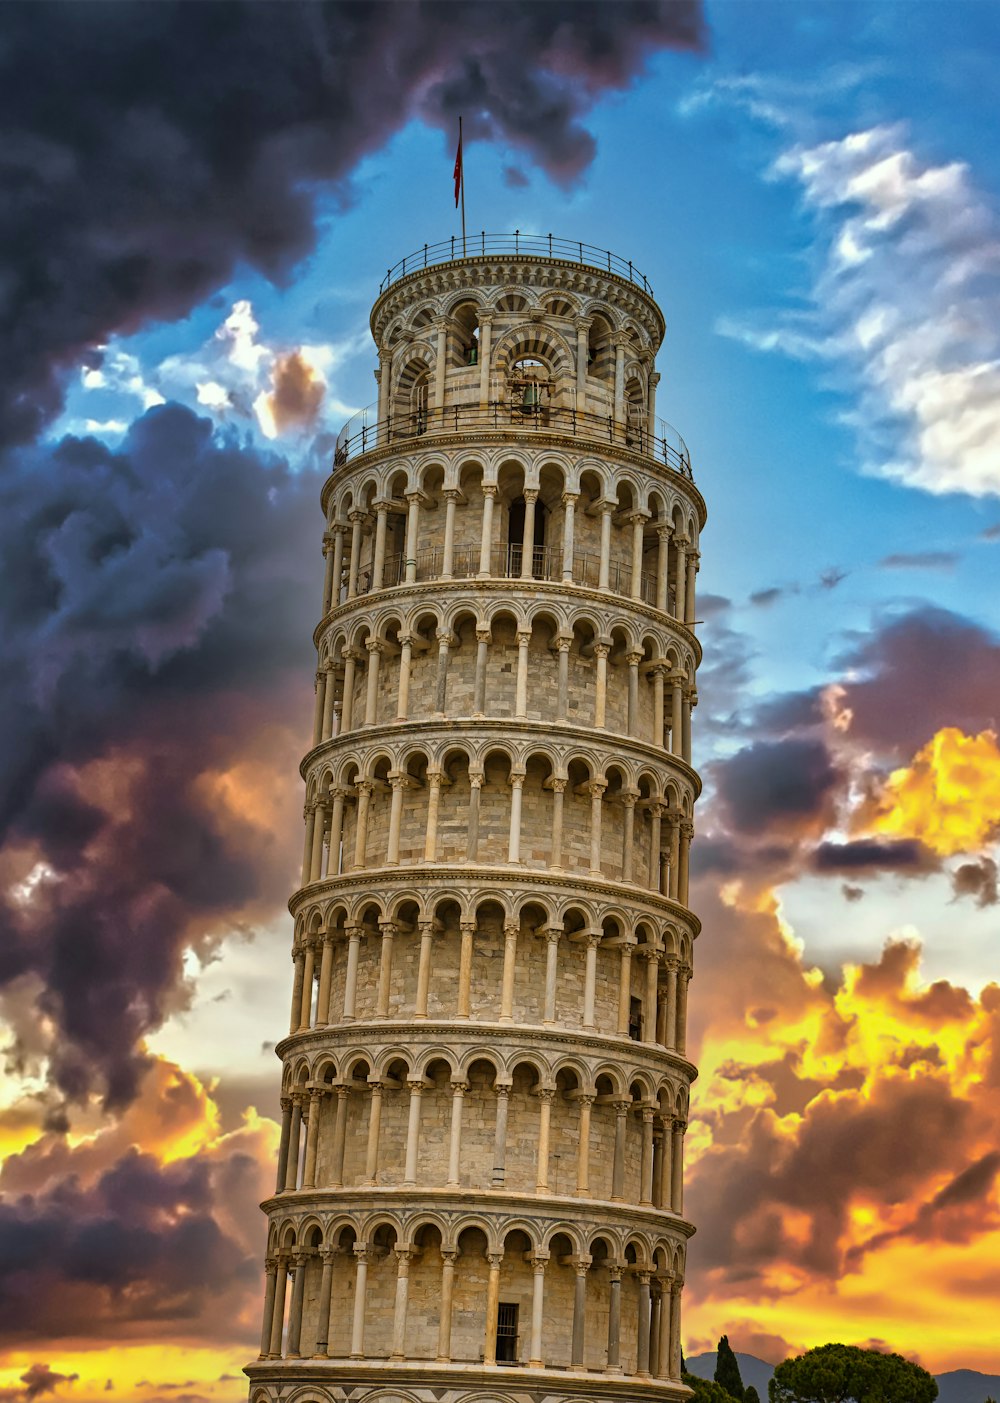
x,y
452,498
294,1136
351,978
375,648
365,789
339,1137
445,640
663,534
538,1261
677,1168
656,812
299,1260
579,1311
675,1329
642,1345
492,1307
583,1147
413,500
397,783
325,1292
625,986
692,570
416,1089
569,521
298,963
448,1257
486,539
510,933
632,724
654,1330
673,843
327,571
654,380
309,816
337,573
485,333
621,342
286,1126
468,929
676,680
597,788
378,563
604,572
659,714
278,1313
546,1095
472,838
590,978
329,697
684,976
666,1163
333,855
356,518
528,534
325,976
521,691
361,1251
403,1257
387,930
670,1037
479,686
582,325
374,1128
305,1012
663,1343
638,520
687,703
500,1136
649,1001
684,861
614,1318
629,798
601,651
646,1163
383,376
622,1109
514,840
458,1090
564,641
405,663
558,792
347,709
424,968
271,1274
319,833
680,576
552,934
312,1139
320,705
434,778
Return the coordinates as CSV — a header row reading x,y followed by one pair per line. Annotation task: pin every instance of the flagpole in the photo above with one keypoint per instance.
x,y
462,175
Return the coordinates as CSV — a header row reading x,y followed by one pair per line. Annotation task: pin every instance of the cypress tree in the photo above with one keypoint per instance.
x,y
727,1371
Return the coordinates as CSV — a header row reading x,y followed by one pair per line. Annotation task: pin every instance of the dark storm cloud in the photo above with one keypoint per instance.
x,y
37,1381
920,671
150,149
785,784
978,880
154,602
142,1243
959,1211
872,855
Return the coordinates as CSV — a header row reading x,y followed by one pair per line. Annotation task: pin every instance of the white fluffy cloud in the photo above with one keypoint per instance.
x,y
907,294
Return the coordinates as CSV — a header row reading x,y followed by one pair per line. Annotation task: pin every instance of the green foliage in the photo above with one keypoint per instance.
x,y
846,1374
727,1370
750,1394
706,1390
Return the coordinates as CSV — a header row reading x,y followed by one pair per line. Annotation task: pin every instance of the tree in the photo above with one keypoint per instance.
x,y
846,1374
706,1390
750,1394
727,1370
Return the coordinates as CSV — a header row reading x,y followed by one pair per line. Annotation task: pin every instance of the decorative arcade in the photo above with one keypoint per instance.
x,y
485,1083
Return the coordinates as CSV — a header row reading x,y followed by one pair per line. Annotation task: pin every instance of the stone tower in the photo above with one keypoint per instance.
x,y
485,1088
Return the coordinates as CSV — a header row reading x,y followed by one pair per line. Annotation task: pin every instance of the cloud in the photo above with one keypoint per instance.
x,y
296,397
156,606
920,560
978,880
872,856
117,223
780,785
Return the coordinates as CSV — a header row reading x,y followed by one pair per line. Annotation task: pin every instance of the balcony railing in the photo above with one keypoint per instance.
x,y
364,431
516,245
506,564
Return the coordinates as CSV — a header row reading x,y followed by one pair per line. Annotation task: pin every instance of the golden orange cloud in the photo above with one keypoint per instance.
x,y
948,797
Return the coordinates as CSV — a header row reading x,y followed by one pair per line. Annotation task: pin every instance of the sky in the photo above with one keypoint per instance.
x,y
199,203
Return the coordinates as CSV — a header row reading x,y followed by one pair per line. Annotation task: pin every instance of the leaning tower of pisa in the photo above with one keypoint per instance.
x,y
485,1089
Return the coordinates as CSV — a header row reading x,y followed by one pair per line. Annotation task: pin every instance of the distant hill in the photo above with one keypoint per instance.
x,y
957,1386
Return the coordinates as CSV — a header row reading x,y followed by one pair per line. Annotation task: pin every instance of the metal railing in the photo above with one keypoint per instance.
x,y
506,564
364,431
515,245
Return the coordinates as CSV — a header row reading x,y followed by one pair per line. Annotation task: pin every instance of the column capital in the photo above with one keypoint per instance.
x,y
363,1251
523,637
476,778
449,1254
469,926
538,1260
559,783
569,499
490,489
415,1085
453,494
358,514
495,1259
387,928
516,779
445,638
483,635
459,1087
622,1107
375,645
633,659
546,1094
601,650
664,531
364,786
564,642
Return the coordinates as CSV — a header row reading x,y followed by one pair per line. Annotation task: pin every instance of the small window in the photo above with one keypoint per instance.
x,y
507,1332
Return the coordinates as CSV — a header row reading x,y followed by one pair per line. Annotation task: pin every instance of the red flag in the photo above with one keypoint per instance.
x,y
458,167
